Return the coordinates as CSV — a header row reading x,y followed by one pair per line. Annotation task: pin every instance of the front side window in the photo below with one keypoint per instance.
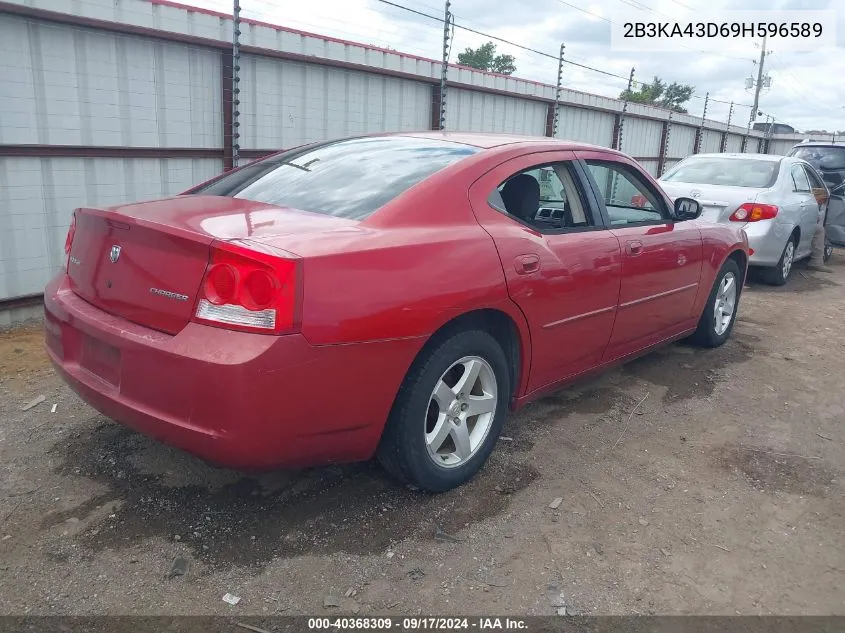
x,y
348,179
627,199
799,179
545,198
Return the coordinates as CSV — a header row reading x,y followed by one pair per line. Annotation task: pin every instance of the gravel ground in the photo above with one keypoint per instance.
x,y
692,481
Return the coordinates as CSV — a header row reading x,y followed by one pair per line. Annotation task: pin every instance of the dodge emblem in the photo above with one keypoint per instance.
x,y
114,254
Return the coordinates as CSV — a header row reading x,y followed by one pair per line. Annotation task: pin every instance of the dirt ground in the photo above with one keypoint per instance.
x,y
721,493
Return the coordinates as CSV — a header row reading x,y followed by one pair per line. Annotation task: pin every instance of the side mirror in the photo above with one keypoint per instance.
x,y
687,209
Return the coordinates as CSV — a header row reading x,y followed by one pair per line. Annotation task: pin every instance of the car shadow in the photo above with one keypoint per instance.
x,y
801,279
230,518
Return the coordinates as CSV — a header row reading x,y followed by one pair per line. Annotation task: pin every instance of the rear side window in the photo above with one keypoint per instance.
x,y
545,198
348,179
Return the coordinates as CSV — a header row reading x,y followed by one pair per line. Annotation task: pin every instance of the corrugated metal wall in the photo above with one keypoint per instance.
x,y
69,85
651,165
711,141
681,140
641,137
734,143
473,111
98,87
586,126
781,147
65,85
285,103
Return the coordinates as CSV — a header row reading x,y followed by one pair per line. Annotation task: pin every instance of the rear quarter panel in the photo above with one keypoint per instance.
x,y
399,283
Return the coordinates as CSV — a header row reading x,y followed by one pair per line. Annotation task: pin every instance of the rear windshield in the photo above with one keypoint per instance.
x,y
348,179
730,172
814,155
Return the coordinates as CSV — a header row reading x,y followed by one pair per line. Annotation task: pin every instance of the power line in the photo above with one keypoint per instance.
x,y
538,52
595,15
681,4
801,95
505,41
471,30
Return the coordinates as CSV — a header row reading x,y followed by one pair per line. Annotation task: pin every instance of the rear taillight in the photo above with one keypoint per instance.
x,y
753,212
249,290
71,231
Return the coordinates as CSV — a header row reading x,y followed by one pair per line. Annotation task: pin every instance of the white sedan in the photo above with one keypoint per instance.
x,y
777,199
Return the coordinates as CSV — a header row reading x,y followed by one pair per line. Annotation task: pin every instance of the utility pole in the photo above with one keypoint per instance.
x,y
761,79
447,48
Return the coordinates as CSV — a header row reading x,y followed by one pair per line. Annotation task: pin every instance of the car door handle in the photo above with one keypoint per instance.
x,y
634,247
526,264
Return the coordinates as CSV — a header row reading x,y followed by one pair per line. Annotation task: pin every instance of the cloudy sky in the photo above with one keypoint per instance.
x,y
807,90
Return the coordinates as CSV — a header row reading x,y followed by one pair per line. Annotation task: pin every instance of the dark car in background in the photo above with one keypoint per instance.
x,y
829,161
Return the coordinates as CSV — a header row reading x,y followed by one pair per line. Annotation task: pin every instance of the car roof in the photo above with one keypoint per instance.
x,y
769,157
818,144
485,140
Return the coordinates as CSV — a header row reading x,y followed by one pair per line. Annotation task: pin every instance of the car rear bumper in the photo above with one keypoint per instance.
x,y
236,399
768,239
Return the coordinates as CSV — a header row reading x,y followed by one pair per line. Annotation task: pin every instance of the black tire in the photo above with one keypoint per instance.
x,y
705,335
775,276
402,450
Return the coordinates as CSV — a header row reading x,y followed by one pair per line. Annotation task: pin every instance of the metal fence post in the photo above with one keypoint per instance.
x,y
723,145
770,132
448,19
226,106
620,118
664,144
747,133
236,79
699,133
558,91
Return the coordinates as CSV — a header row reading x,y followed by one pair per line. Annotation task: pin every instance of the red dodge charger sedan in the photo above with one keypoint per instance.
x,y
388,295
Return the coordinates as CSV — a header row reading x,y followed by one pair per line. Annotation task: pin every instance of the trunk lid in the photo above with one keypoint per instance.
x,y
145,262
718,202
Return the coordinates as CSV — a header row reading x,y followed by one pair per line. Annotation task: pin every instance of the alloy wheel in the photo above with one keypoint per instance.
x,y
788,257
461,411
725,304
